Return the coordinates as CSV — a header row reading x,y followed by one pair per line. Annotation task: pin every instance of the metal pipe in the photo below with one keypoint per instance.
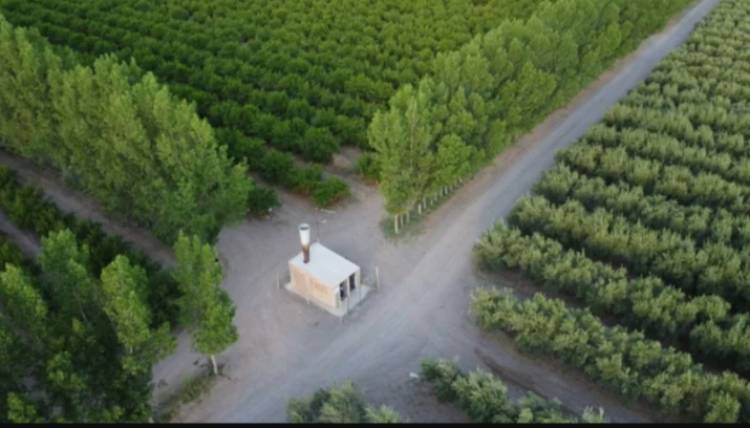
x,y
304,237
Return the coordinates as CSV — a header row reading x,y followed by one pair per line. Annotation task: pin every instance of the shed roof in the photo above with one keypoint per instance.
x,y
326,266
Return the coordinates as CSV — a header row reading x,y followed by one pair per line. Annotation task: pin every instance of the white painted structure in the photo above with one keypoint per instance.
x,y
326,278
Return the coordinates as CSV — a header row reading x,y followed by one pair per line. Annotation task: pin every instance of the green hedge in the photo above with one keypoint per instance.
x,y
338,404
705,322
485,398
624,360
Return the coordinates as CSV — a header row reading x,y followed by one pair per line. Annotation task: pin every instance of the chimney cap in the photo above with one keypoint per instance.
x,y
304,238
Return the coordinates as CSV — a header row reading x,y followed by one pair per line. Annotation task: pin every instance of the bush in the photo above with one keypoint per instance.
x,y
484,397
276,166
306,180
338,404
319,144
330,191
368,167
262,200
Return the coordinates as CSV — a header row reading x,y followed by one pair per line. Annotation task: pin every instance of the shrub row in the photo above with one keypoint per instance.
x,y
704,324
623,360
485,398
698,222
714,268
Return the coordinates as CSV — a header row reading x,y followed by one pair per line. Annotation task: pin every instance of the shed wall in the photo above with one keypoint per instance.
x,y
308,286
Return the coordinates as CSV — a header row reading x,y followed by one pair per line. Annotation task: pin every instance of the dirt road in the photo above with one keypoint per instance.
x,y
289,349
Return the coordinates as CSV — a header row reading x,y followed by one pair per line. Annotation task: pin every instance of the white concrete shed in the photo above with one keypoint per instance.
x,y
326,279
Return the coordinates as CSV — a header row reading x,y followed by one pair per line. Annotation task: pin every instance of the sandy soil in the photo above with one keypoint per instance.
x,y
288,348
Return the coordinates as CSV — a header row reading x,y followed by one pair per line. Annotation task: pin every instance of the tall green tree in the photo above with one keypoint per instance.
x,y
65,275
25,94
21,410
205,308
125,304
402,138
23,304
12,364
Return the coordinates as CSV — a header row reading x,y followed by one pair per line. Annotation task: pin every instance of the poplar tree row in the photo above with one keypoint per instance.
x,y
476,100
29,210
119,135
79,347
303,77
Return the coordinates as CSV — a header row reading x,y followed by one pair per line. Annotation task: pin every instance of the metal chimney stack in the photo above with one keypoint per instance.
x,y
304,238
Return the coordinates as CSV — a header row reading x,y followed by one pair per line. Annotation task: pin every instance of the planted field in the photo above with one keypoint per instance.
x,y
294,76
646,222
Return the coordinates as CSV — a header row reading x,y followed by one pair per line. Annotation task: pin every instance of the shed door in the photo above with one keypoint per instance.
x,y
353,281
